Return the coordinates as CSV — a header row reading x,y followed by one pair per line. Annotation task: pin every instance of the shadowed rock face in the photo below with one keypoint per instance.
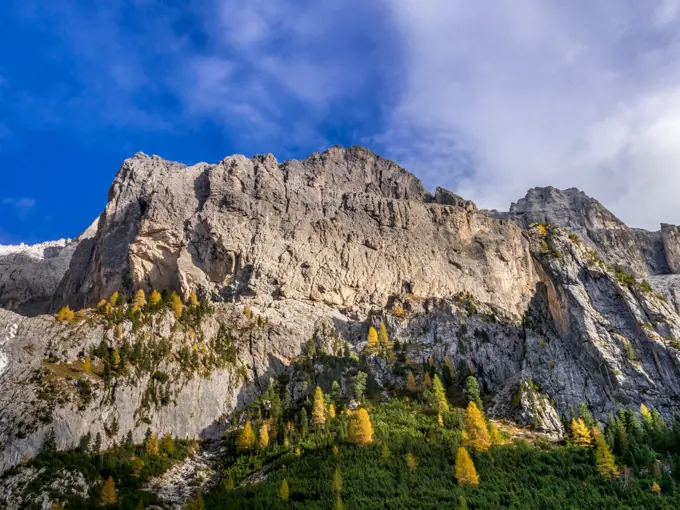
x,y
322,248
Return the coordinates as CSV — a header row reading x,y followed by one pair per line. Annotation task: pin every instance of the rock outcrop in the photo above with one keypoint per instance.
x,y
320,249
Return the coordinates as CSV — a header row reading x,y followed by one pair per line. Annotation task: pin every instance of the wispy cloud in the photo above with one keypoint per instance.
x,y
503,96
21,205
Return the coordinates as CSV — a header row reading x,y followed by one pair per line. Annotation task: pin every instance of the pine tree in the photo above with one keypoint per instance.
x,y
360,385
65,314
137,465
87,365
151,445
361,429
449,371
155,298
385,453
246,438
411,382
140,298
337,481
318,411
604,459
193,299
97,446
283,491
427,381
462,503
196,503
441,403
466,474
372,338
476,434
472,392
580,434
411,461
108,495
177,307
263,441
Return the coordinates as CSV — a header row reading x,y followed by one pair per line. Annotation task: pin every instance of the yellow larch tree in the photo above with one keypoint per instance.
x,y
360,428
65,314
580,434
476,434
318,411
372,338
495,434
427,381
263,440
440,401
656,489
331,411
113,300
284,491
604,459
155,298
411,382
87,365
193,299
177,307
411,461
140,298
109,494
646,415
383,338
246,438
151,445
466,474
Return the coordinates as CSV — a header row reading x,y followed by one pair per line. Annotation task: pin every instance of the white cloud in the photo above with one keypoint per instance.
x,y
506,95
23,205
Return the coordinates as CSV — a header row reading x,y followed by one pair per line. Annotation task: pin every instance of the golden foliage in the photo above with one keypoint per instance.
x,y
87,365
284,491
428,380
476,435
151,445
263,440
383,338
644,412
246,438
411,382
193,299
140,298
335,450
65,314
113,300
372,338
360,428
495,434
399,310
440,401
318,411
177,307
331,410
656,489
109,495
580,434
167,444
466,474
604,459
155,298
137,465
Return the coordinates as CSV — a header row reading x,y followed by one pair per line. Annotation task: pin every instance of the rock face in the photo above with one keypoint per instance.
x,y
30,275
344,227
320,249
638,251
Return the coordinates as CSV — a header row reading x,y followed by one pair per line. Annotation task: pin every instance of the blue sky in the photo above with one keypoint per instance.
x,y
486,98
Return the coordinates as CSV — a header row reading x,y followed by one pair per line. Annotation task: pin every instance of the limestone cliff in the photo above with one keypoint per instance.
x,y
320,249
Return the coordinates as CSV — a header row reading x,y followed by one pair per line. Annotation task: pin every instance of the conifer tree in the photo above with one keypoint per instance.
x,y
462,503
65,314
193,299
140,298
137,465
441,403
656,489
476,434
372,338
604,459
155,298
472,392
109,495
246,438
318,411
337,481
116,357
360,385
331,411
385,453
449,370
646,415
177,307
263,440
304,423
113,300
283,491
383,338
495,434
410,461
466,474
411,382
338,502
427,381
151,446
197,503
87,365
167,444
580,434
361,429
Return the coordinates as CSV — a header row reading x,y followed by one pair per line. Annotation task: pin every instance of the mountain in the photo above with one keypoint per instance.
x,y
551,305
